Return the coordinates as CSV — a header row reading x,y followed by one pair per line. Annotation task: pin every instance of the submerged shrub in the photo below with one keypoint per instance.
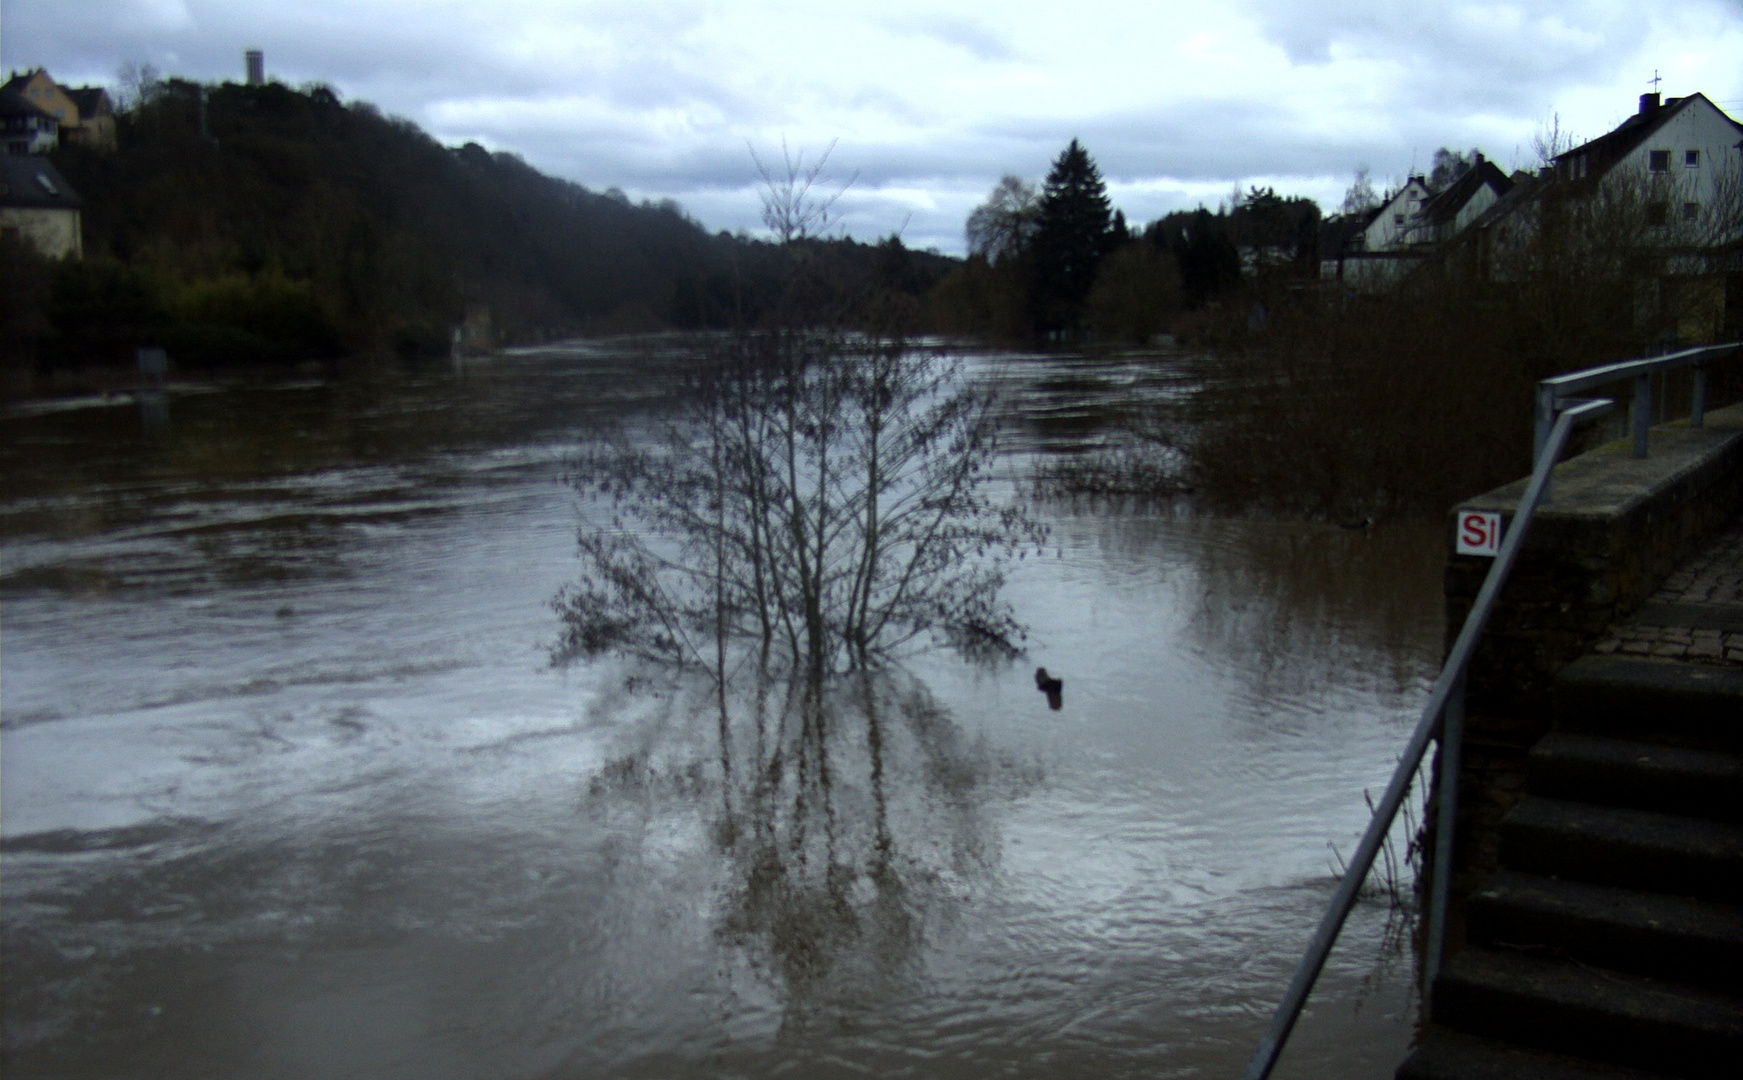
x,y
823,498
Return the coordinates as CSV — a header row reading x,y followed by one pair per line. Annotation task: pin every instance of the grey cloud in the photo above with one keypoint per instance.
x,y
1496,45
361,54
400,63
1247,140
870,214
978,41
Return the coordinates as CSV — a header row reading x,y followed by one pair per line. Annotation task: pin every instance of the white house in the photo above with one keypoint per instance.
x,y
1372,255
1689,152
1459,204
1391,228
1684,158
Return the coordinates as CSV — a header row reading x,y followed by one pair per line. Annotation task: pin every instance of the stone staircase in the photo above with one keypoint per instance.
x,y
1610,942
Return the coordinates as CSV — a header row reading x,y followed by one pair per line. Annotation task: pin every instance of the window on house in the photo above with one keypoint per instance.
x,y
1691,211
1691,159
1397,219
1658,160
1657,213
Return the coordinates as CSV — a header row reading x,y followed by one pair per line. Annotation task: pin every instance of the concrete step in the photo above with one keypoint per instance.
x,y
1699,942
1654,700
1442,1054
1644,775
1604,1016
1637,849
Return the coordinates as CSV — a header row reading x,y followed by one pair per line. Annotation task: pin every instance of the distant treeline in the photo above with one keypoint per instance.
x,y
1060,263
248,224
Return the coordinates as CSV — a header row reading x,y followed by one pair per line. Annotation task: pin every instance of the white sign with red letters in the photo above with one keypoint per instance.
x,y
1479,533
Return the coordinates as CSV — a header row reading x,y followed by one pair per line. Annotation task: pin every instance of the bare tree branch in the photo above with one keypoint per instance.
x,y
799,199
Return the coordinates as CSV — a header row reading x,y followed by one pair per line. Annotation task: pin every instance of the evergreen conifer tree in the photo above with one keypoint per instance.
x,y
1209,261
1074,235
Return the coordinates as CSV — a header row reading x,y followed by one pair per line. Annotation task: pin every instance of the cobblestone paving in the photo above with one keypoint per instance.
x,y
1697,614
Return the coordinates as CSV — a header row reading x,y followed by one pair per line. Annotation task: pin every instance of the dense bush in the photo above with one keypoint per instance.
x,y
222,318
1349,406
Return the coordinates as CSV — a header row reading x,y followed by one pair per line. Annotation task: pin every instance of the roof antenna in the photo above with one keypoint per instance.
x,y
1655,80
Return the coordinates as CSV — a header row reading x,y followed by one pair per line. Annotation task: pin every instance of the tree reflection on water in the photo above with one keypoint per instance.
x,y
821,500
852,820
854,823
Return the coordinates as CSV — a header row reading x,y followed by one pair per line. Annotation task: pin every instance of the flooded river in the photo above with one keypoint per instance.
x,y
289,788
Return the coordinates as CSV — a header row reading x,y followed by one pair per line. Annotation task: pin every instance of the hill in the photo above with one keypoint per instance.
x,y
264,224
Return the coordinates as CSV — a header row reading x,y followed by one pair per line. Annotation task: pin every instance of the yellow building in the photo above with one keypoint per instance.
x,y
26,128
84,113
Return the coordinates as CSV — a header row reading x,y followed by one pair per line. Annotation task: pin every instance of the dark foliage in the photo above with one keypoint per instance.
x,y
1064,263
261,223
1449,165
1207,258
1135,294
1343,406
1003,226
24,291
1073,236
101,309
1276,235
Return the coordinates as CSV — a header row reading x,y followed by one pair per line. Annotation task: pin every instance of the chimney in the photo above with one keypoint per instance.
x,y
257,67
1648,103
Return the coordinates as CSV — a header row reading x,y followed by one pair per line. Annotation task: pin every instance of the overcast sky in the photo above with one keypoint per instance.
x,y
931,101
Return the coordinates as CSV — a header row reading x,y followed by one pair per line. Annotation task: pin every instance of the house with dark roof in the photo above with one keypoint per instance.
x,y
1391,228
96,127
1503,221
1684,154
1675,170
1456,207
1339,239
26,127
1374,251
1371,251
37,204
82,114
1687,144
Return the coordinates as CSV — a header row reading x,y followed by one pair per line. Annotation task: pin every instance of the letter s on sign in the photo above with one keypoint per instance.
x,y
1479,533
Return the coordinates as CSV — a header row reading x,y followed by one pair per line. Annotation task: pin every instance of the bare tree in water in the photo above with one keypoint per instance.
x,y
822,498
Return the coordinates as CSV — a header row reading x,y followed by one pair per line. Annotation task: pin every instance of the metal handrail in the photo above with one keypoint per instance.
x,y
1555,394
1443,717
1447,698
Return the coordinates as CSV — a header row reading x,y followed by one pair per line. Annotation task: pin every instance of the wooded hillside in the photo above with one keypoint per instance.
x,y
266,224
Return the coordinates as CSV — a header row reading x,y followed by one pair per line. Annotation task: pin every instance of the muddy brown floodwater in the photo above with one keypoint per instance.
x,y
290,791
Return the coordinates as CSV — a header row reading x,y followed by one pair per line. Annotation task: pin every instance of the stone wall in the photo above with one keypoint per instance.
x,y
55,232
1616,526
